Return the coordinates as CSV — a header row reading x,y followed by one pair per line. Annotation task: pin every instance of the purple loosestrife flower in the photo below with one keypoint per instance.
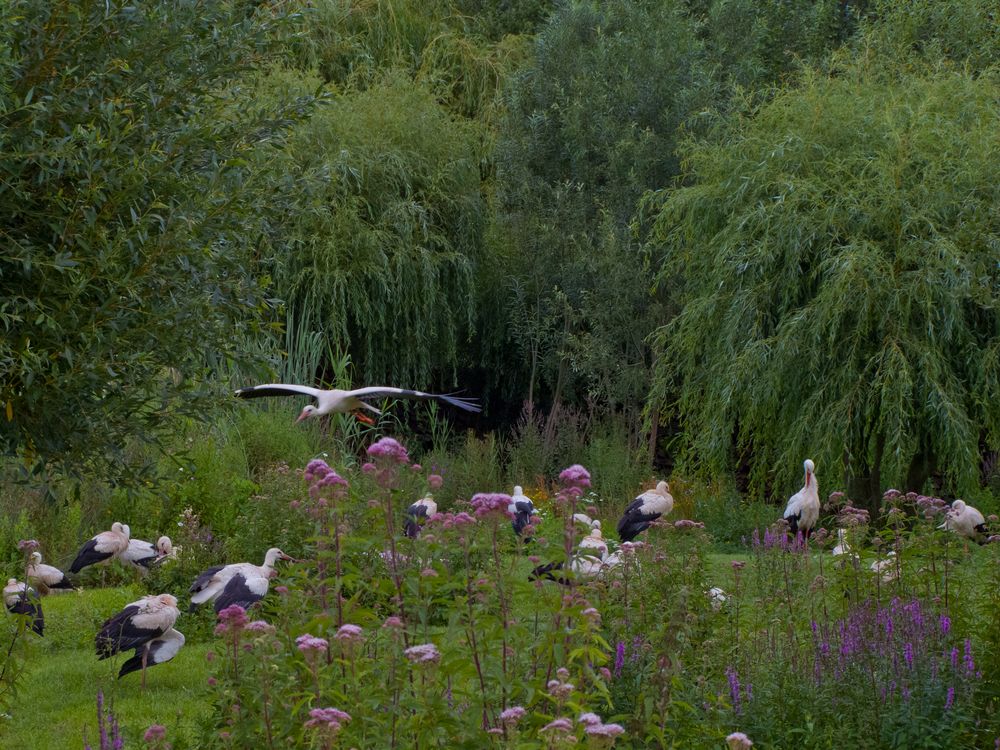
x,y
389,450
908,654
619,658
945,624
970,665
949,700
734,688
425,653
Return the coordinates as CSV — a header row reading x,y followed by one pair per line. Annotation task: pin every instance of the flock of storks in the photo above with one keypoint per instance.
x,y
146,626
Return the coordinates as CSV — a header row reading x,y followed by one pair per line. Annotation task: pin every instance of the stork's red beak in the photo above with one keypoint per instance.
x,y
301,416
363,418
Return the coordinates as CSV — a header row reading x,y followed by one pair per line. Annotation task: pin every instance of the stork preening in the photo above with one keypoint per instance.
x,y
522,509
135,627
802,511
157,651
336,401
593,543
965,520
45,577
142,555
238,583
645,509
21,599
589,561
417,515
102,547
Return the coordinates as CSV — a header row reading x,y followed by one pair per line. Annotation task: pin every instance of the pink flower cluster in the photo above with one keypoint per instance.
x,y
512,715
260,626
389,450
575,476
349,634
154,733
491,505
309,644
452,520
425,653
393,622
558,725
434,481
739,741
27,545
330,719
851,516
685,523
560,689
232,619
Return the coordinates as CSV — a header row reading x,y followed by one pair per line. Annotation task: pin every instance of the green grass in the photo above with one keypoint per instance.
x,y
56,700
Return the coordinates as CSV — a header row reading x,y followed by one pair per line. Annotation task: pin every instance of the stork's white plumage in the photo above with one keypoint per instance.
x,y
802,510
645,509
156,651
718,597
417,515
21,599
239,583
584,520
842,547
102,547
135,627
44,576
886,568
336,401
593,543
522,509
965,520
139,555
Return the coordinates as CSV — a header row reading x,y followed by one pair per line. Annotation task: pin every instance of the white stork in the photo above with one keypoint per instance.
x,y
645,509
588,562
336,401
142,555
965,520
842,547
44,576
417,515
157,651
239,583
802,510
102,547
21,599
522,509
135,627
593,543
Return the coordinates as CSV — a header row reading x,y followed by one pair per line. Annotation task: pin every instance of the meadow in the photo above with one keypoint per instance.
x,y
443,641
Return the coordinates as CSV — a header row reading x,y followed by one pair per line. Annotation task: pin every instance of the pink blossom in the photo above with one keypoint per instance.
x,y
392,622
260,626
558,725
492,504
434,481
283,590
428,573
330,719
738,564
212,682
604,730
512,715
368,467
592,614
605,673
425,653
349,634
27,545
389,449
562,673
209,656
154,733
575,476
495,731
560,690
589,718
232,619
308,643
738,741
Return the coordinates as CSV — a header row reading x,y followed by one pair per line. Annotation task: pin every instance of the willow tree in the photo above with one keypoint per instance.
x,y
127,207
839,253
377,243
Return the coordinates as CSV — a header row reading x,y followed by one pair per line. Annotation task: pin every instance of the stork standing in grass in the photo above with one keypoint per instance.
x,y
21,599
142,555
239,583
136,627
645,509
157,651
417,515
802,511
336,401
102,547
521,509
965,520
45,577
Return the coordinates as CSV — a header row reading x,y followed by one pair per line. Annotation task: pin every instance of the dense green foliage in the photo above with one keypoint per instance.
x,y
128,210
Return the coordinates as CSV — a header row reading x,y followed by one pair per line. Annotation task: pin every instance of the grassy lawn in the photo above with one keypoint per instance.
x,y
56,701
